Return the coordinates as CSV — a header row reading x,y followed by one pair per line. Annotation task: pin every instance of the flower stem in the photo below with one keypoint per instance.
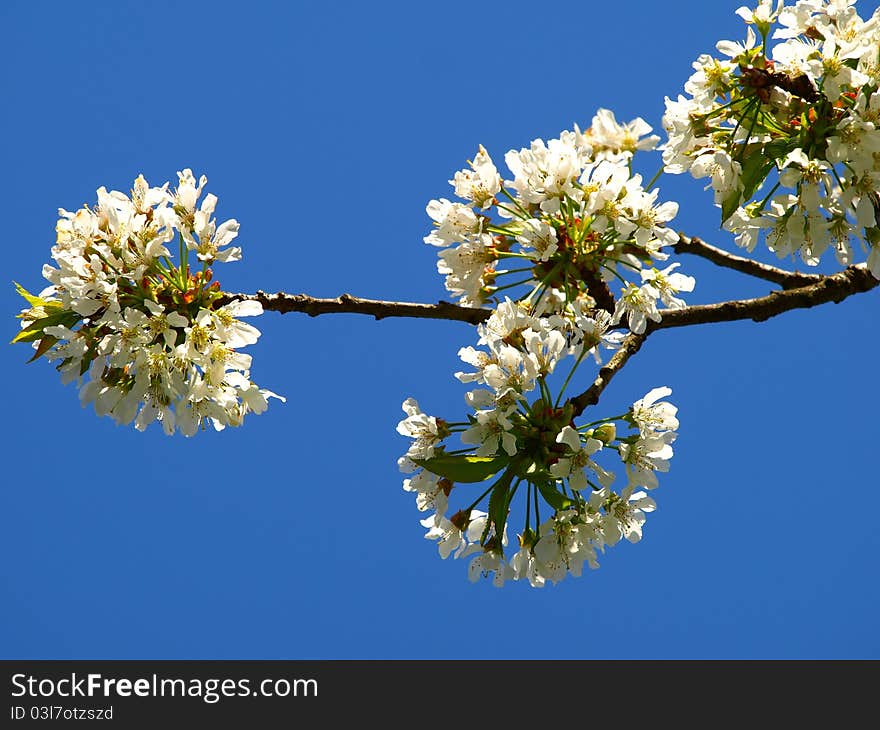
x,y
495,290
528,507
654,179
568,379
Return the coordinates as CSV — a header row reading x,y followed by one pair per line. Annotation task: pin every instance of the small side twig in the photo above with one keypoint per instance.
x,y
785,279
590,397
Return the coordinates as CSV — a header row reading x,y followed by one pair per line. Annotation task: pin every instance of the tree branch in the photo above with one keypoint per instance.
x,y
834,288
786,279
590,397
820,290
346,303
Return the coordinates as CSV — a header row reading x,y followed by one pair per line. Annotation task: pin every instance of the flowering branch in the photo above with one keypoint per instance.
x,y
819,290
568,251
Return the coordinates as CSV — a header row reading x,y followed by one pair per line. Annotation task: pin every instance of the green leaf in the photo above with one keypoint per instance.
x,y
730,204
34,331
28,334
556,499
755,168
464,469
779,148
498,501
44,346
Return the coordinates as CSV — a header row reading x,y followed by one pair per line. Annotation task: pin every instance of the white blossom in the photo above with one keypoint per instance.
x,y
147,342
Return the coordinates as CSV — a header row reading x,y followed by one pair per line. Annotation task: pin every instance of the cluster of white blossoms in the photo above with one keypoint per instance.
x,y
787,131
571,224
145,338
579,236
540,454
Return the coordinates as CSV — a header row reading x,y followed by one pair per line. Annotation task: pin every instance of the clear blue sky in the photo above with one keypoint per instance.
x,y
325,128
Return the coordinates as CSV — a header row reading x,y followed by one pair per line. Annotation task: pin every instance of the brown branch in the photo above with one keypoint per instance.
x,y
346,303
819,290
834,288
590,397
786,279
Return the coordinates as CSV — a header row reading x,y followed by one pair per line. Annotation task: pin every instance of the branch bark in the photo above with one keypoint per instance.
x,y
818,290
590,397
834,288
348,304
785,279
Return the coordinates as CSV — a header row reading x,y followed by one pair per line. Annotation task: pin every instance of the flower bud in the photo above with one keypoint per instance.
x,y
606,433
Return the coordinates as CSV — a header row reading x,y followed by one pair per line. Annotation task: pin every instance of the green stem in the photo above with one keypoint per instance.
x,y
184,263
528,507
769,195
603,420
507,477
497,289
512,494
623,263
714,112
837,177
513,200
542,286
514,271
499,230
545,391
586,225
613,271
596,487
169,273
202,281
739,120
484,494
511,254
537,515
568,379
742,151
654,179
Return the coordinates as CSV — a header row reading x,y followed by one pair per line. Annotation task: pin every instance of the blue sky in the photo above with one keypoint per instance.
x,y
325,129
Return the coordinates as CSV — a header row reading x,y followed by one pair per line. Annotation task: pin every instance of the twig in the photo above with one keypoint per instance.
x,y
786,279
834,288
629,347
346,303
